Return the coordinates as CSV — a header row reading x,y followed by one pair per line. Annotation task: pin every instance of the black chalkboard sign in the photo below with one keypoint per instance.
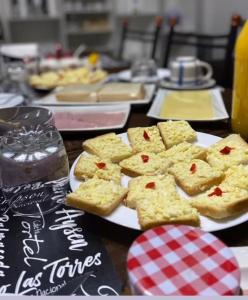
x,y
43,255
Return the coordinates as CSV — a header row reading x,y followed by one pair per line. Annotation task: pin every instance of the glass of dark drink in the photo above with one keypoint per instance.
x,y
34,169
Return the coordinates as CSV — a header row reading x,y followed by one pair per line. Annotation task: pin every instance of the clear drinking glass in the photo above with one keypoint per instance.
x,y
19,116
144,69
34,169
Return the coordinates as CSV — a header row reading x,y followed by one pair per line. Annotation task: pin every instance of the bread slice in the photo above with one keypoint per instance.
x,y
121,92
221,202
149,186
176,132
108,146
166,210
89,166
78,93
195,176
145,139
97,196
144,163
228,152
184,152
237,176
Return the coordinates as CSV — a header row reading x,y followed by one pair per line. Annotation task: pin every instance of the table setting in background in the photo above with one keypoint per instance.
x,y
75,110
143,70
189,73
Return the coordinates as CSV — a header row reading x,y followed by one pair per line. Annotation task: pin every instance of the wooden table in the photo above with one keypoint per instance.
x,y
118,239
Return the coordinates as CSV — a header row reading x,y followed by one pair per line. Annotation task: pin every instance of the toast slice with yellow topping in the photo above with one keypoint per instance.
x,y
145,139
167,209
89,166
149,186
108,146
176,132
221,202
228,152
195,176
97,196
144,163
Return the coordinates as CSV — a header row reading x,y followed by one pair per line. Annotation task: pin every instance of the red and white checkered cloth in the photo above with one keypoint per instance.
x,y
182,260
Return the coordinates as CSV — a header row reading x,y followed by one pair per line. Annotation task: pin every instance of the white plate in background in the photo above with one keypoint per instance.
x,y
167,84
219,108
51,100
20,51
128,217
126,76
88,118
10,100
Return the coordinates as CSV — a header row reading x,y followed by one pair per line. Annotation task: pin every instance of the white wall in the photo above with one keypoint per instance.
x,y
141,16
4,15
188,9
127,7
211,16
216,14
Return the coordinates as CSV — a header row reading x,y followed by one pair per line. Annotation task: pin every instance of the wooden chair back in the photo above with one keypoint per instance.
x,y
140,35
206,42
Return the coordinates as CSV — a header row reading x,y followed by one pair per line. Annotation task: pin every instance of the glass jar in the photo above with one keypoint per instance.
x,y
143,69
19,116
34,169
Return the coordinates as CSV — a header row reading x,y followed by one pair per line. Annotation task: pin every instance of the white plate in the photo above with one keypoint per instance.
x,y
42,89
10,100
167,84
51,100
90,116
220,112
128,217
161,74
20,51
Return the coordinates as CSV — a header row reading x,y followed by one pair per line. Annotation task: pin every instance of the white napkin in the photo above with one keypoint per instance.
x,y
241,254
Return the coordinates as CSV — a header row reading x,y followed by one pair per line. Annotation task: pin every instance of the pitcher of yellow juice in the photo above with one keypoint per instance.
x,y
240,88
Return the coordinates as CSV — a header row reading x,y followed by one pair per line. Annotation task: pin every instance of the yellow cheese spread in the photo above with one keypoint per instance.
x,y
189,105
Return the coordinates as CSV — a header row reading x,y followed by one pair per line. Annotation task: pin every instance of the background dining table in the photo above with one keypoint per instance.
x,y
118,239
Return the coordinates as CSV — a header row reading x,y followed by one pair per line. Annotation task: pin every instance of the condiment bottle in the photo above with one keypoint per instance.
x,y
240,89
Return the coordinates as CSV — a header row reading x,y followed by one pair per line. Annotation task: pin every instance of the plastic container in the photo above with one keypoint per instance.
x,y
178,260
240,89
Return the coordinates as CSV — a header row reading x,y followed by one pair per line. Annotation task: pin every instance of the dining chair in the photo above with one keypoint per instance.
x,y
142,36
1,32
205,45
